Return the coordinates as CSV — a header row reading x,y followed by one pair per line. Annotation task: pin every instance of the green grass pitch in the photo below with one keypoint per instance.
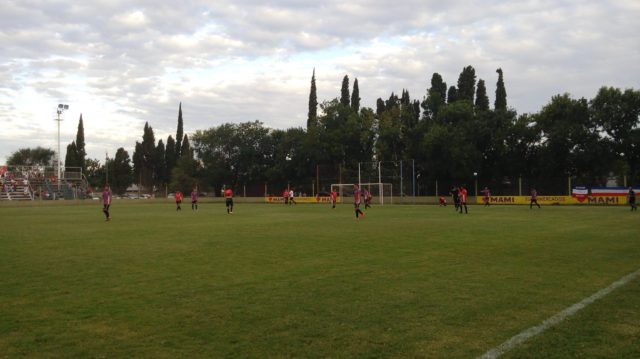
x,y
306,281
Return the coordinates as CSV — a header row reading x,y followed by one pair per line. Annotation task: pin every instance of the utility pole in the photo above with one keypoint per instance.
x,y
61,108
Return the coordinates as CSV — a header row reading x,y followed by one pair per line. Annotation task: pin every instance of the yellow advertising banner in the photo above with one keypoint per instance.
x,y
546,200
557,200
280,199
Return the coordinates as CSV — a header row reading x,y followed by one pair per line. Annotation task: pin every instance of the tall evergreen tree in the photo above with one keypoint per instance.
x,y
81,153
186,148
170,156
501,93
71,159
482,101
380,108
344,93
179,133
355,97
467,84
148,156
312,118
452,94
137,163
161,164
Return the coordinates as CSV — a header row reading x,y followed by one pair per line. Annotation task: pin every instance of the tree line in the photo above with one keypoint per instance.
x,y
449,133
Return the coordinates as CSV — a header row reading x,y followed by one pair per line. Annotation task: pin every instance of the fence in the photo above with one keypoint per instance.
x,y
408,181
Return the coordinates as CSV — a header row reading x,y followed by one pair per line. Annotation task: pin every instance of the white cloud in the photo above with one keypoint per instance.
x,y
122,63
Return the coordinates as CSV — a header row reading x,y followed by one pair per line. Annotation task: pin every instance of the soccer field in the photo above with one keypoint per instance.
x,y
307,281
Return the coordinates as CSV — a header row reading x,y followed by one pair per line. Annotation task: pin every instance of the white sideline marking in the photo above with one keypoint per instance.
x,y
557,318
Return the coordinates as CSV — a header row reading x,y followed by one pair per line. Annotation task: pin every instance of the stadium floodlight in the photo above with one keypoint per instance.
x,y
61,108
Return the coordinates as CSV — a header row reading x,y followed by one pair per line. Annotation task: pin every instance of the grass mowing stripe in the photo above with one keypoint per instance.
x,y
533,331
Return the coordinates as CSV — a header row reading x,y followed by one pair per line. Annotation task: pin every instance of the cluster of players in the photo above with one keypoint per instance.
x,y
458,194
179,197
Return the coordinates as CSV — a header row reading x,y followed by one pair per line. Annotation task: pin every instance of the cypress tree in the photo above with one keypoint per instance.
x,y
71,159
344,93
186,148
482,101
312,118
501,93
467,84
81,153
380,108
170,156
179,132
355,97
137,163
452,95
148,155
161,164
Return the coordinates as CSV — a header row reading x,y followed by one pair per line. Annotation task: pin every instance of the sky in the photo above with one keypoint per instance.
x,y
123,63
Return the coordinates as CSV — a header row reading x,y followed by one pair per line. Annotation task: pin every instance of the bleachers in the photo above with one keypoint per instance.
x,y
22,183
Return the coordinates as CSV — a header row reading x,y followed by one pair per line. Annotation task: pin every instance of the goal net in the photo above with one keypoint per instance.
x,y
381,193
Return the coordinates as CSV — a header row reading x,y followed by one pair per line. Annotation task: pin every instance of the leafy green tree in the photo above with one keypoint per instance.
x,y
312,117
501,93
95,173
617,113
467,84
355,97
185,174
179,134
482,101
436,97
120,171
452,95
37,156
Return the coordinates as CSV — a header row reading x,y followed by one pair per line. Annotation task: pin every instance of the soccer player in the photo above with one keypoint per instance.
x,y
334,198
291,201
463,199
228,195
367,198
357,194
534,198
106,201
285,196
443,201
632,199
179,197
455,196
486,197
194,199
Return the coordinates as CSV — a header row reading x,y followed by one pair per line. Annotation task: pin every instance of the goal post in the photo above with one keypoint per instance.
x,y
382,193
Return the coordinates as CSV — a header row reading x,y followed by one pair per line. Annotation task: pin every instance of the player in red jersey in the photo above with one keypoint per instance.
x,y
334,198
194,199
285,196
357,195
443,201
179,198
228,195
367,199
463,199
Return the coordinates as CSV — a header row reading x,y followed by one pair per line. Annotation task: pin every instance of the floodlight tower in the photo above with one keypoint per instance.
x,y
61,108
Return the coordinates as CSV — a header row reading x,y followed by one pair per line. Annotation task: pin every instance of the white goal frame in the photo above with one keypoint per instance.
x,y
382,194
